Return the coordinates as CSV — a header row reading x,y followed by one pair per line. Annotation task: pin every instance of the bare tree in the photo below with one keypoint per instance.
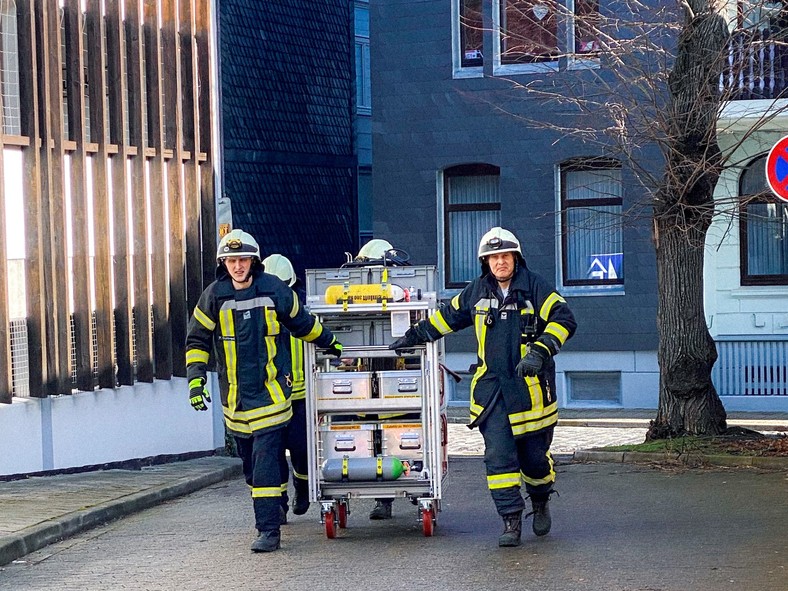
x,y
661,73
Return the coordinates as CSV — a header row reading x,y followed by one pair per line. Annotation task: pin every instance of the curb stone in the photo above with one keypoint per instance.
x,y
763,462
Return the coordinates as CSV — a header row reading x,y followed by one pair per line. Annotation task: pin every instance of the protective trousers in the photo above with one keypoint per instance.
x,y
510,461
295,441
260,456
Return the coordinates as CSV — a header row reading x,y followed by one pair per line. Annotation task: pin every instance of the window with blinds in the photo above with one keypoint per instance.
x,y
472,205
591,225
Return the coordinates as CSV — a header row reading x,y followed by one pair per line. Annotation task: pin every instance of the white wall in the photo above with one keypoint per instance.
x,y
639,374
731,309
104,426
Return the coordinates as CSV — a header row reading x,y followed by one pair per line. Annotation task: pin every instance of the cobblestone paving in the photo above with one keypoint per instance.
x,y
567,440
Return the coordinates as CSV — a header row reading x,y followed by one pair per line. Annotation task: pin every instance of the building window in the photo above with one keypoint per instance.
x,y
591,228
540,32
528,31
586,23
10,68
471,206
363,81
763,229
471,39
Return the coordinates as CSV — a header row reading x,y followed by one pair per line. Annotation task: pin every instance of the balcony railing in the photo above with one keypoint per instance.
x,y
756,66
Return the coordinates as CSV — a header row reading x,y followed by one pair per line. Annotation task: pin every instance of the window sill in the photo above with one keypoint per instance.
x,y
539,68
592,290
462,73
754,291
583,63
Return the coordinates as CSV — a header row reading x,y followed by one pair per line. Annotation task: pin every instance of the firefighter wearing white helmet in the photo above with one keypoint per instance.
x,y
280,265
375,249
521,323
238,319
295,437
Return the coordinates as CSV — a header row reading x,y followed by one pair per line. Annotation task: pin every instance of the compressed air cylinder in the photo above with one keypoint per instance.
x,y
377,468
364,294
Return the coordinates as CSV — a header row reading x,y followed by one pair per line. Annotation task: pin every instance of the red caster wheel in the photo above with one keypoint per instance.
x,y
427,522
331,524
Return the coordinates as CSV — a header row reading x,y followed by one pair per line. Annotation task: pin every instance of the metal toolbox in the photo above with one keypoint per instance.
x,y
400,384
354,441
422,278
402,440
338,385
373,332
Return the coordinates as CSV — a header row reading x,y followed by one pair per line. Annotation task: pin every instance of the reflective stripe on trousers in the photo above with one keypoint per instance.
x,y
506,458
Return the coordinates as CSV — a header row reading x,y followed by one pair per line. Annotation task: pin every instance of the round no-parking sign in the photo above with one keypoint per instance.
x,y
777,169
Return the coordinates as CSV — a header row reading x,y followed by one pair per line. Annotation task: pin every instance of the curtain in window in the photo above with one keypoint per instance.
x,y
466,227
767,239
594,244
766,227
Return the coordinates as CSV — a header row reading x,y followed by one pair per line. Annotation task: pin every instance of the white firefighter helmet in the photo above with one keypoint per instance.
x,y
237,243
498,240
375,249
280,265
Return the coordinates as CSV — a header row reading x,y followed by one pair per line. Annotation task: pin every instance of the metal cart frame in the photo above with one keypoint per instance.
x,y
424,487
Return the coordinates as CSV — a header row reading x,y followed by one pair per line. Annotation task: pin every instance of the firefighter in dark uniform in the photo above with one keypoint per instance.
x,y
295,437
239,316
521,323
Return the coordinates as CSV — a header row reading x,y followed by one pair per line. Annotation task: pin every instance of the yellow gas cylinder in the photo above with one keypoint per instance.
x,y
364,294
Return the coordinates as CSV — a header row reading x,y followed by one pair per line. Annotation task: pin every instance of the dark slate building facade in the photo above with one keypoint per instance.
x,y
454,158
287,99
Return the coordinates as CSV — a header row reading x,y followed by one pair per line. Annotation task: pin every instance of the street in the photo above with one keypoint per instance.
x,y
616,527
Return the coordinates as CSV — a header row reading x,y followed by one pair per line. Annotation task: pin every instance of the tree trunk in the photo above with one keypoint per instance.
x,y
688,401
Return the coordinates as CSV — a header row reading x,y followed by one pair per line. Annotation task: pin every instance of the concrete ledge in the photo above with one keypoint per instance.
x,y
14,546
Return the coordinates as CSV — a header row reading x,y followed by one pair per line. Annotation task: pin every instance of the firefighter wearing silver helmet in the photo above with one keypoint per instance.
x,y
295,436
238,318
521,323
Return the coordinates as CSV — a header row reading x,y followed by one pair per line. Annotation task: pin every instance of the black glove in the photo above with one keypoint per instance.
x,y
198,395
531,364
409,340
335,348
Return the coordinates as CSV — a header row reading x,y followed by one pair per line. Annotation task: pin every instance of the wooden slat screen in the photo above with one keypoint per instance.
x,y
118,202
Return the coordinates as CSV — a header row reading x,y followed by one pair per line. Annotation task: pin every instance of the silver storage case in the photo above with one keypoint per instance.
x,y
354,333
353,441
339,385
402,440
400,384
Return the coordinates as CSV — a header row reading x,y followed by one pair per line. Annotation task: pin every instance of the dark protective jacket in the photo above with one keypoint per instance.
x,y
244,329
533,314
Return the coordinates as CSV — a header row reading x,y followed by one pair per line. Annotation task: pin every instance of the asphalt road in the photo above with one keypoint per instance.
x,y
617,527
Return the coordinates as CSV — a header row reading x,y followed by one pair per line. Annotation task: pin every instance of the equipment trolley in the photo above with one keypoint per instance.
x,y
376,419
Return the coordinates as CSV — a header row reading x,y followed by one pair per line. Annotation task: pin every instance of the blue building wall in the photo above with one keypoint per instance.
x,y
287,94
425,120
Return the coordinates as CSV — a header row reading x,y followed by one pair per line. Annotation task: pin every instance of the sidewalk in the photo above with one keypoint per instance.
x,y
38,511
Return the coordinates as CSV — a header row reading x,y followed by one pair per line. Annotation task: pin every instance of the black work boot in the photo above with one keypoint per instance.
x,y
382,509
301,500
512,529
541,513
267,541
